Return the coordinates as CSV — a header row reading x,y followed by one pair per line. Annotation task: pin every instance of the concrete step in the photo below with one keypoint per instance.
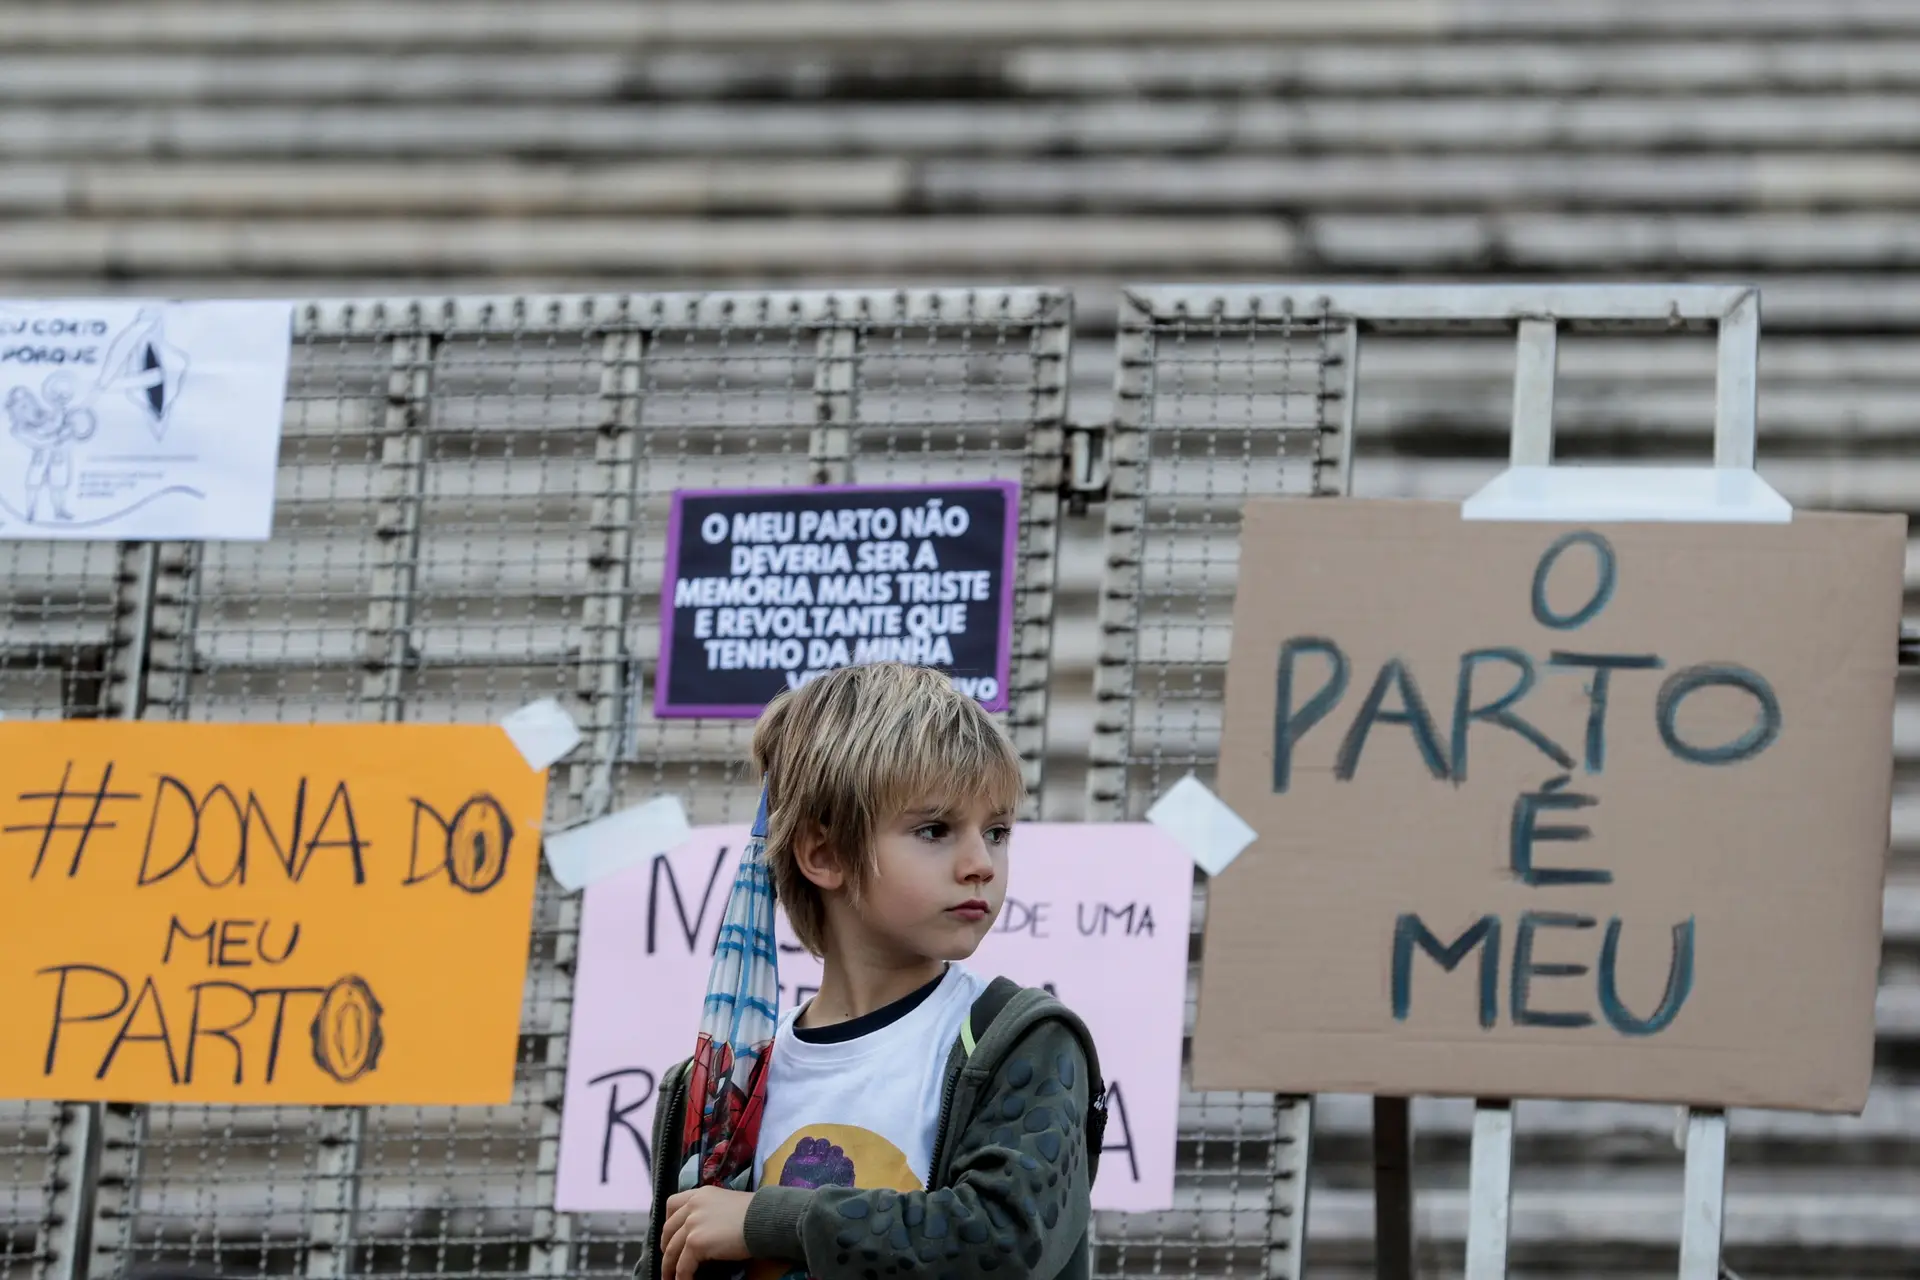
x,y
1892,1113
1255,127
1598,1223
1617,242
1347,183
325,188
1210,489
149,77
573,23
199,24
1053,69
1705,183
1869,1218
1201,563
1730,62
1172,245
1889,484
767,247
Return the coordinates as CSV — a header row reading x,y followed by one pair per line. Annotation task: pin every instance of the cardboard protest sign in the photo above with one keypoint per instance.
x,y
767,588
263,913
1101,913
1552,811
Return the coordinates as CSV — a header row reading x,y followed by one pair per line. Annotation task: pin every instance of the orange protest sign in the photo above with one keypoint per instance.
x,y
264,913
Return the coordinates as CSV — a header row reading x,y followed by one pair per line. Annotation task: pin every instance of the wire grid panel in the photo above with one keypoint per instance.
x,y
922,387
29,1140
470,515
1213,405
72,614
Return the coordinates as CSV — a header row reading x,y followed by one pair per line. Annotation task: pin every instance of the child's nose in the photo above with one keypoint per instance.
x,y
976,860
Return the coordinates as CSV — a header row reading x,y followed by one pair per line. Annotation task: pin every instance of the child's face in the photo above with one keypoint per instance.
x,y
940,878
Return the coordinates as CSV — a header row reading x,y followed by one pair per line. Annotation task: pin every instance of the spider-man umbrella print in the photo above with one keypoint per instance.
x,y
727,1089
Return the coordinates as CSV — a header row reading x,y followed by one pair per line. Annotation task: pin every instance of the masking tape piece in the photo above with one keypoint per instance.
x,y
543,731
579,857
1211,833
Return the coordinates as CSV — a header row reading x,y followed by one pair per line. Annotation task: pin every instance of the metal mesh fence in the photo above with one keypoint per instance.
x,y
68,621
470,515
1213,404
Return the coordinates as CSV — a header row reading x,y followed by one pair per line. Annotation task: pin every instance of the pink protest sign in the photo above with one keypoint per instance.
x,y
1099,911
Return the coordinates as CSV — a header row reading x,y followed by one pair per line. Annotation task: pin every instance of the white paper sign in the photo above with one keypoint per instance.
x,y
137,421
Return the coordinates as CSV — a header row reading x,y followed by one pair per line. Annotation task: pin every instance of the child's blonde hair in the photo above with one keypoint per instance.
x,y
852,748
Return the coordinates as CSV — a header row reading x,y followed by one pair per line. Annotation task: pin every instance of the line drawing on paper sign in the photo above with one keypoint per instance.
x,y
68,391
142,366
49,429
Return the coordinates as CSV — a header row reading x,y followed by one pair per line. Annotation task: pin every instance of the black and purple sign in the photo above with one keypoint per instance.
x,y
767,588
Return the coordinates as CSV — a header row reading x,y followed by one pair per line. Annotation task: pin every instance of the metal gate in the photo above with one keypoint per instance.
x,y
470,515
1235,392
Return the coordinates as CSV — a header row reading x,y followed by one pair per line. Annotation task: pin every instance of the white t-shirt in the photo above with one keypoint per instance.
x,y
862,1111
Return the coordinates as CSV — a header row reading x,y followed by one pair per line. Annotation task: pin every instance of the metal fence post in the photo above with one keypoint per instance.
x,y
1704,1195
1119,607
603,683
836,377
1489,1191
1735,444
1490,1178
1289,1191
1393,1188
66,1226
341,1131
402,480
67,1233
1737,384
1041,498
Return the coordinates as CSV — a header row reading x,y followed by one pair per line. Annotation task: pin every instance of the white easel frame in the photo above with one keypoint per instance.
x,y
1490,1179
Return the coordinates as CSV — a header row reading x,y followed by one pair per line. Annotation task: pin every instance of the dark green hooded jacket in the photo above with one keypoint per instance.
x,y
1014,1159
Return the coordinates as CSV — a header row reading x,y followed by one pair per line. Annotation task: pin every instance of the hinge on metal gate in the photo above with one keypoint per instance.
x,y
1087,469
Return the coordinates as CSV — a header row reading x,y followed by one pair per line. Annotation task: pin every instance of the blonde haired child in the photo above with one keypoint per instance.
x,y
913,1120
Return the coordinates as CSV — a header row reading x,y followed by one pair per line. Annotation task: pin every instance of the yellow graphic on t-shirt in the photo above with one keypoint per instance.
x,y
831,1155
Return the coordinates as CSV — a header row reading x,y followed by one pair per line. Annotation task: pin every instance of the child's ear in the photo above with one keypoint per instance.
x,y
816,859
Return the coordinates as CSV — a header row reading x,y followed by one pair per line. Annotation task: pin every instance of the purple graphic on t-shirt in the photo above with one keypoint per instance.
x,y
815,1163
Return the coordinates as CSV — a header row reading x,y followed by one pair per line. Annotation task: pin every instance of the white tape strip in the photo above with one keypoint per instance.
x,y
543,731
1203,824
599,849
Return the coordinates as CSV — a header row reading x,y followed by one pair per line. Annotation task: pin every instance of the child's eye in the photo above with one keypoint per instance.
x,y
999,835
932,831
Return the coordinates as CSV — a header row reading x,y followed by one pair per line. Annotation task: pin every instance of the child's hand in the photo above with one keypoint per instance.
x,y
707,1224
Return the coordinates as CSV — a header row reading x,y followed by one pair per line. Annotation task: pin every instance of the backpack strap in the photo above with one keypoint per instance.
x,y
988,1006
